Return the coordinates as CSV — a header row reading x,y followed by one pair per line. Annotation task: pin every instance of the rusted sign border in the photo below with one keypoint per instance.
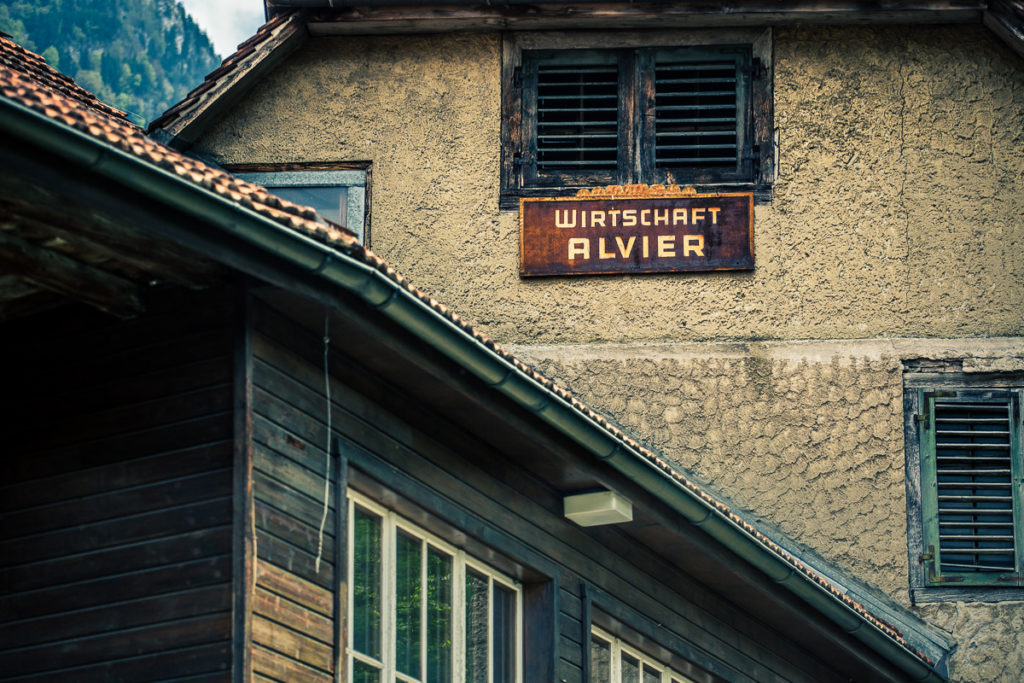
x,y
643,193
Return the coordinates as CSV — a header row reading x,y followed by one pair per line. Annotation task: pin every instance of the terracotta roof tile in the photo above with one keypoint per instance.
x,y
32,84
245,52
25,79
35,67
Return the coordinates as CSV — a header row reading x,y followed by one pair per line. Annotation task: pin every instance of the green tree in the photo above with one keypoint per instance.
x,y
138,55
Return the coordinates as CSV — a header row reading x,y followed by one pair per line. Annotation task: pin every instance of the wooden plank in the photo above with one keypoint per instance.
x,y
182,576
294,645
284,470
107,646
298,505
296,589
84,566
619,16
284,527
166,439
163,411
243,533
123,386
294,560
74,279
277,667
105,506
110,477
118,531
292,446
341,553
205,662
116,617
294,616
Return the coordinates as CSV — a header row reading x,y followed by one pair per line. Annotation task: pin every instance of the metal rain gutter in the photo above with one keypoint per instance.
x,y
335,268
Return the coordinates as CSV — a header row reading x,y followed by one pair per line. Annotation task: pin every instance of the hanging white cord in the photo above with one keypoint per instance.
x,y
327,445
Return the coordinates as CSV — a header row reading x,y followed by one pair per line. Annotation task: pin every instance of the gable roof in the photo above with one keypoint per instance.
x,y
256,232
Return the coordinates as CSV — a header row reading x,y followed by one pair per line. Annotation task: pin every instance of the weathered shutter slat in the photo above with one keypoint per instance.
x,y
577,116
705,92
974,484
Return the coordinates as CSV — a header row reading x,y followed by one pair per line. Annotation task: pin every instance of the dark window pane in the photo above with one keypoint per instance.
x,y
329,202
407,605
630,669
439,617
651,675
366,583
600,661
364,673
476,627
504,637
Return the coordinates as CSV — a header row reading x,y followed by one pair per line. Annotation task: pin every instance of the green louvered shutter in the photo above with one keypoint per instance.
x,y
971,486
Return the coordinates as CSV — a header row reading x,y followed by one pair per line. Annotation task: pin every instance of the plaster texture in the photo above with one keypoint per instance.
x,y
898,213
899,209
807,438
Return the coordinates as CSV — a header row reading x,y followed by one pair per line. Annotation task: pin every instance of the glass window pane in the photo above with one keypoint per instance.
x,y
366,583
329,202
407,605
630,669
439,617
364,673
476,627
651,675
600,661
504,636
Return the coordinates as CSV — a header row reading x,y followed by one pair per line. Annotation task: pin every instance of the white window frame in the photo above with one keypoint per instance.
x,y
391,522
353,180
618,648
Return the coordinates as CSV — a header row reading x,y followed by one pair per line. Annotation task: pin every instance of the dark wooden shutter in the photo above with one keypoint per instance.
x,y
698,125
695,114
970,456
577,116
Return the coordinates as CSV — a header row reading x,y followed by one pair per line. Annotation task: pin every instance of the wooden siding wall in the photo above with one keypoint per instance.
x,y
116,503
447,472
294,602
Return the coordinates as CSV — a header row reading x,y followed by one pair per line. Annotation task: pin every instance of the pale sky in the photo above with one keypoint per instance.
x,y
226,22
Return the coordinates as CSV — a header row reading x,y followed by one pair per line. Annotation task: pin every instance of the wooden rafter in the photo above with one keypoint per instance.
x,y
59,273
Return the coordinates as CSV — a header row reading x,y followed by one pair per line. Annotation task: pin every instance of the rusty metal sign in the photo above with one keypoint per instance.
x,y
636,229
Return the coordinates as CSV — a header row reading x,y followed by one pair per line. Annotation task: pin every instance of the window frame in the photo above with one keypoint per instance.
x,y
354,176
617,647
393,522
518,176
928,581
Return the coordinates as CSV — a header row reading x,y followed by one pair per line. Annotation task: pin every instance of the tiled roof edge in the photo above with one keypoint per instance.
x,y
223,82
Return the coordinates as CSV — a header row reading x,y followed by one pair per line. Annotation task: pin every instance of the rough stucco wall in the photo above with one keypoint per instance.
x,y
814,447
899,212
899,208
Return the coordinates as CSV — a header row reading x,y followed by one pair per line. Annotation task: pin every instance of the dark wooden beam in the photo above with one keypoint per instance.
x,y
36,211
58,273
412,16
1005,18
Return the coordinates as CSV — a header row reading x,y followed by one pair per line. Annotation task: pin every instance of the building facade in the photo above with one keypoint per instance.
x,y
887,167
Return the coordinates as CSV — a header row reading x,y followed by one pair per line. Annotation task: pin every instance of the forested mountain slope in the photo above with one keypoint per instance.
x,y
141,56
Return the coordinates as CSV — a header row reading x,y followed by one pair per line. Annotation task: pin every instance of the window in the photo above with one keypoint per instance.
x,y
971,486
964,488
612,661
422,610
338,195
692,115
